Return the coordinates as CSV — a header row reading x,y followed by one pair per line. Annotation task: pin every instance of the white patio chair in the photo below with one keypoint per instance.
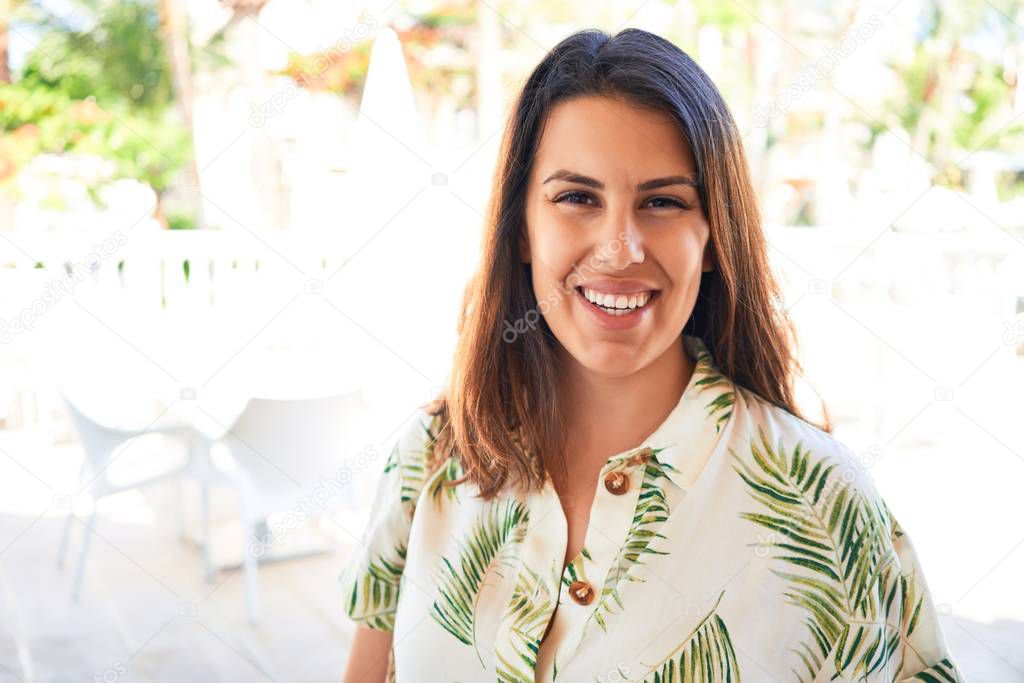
x,y
276,452
101,478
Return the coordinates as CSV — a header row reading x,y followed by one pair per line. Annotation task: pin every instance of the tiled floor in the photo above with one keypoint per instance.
x,y
147,614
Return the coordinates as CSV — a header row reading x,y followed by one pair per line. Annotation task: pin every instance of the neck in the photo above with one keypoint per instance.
x,y
608,415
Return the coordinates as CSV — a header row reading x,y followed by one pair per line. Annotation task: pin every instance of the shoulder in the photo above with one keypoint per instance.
x,y
414,440
835,543
810,459
762,414
410,454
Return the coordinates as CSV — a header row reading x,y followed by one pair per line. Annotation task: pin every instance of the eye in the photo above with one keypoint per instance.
x,y
572,197
668,202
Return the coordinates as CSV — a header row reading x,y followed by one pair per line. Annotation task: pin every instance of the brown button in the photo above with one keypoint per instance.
x,y
617,482
582,592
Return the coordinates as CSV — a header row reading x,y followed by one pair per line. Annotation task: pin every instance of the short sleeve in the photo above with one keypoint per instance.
x,y
926,656
371,578
909,645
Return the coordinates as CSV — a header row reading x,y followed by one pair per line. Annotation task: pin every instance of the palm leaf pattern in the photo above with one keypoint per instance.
x,y
722,404
574,571
376,595
532,603
838,547
651,511
943,672
705,655
413,465
437,485
912,600
499,526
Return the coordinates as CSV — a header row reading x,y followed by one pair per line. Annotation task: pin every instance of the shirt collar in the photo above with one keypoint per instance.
x,y
684,441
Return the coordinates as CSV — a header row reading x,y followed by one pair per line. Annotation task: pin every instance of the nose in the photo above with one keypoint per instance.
x,y
622,242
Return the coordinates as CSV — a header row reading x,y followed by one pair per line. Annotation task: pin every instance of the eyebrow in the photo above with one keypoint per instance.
x,y
572,177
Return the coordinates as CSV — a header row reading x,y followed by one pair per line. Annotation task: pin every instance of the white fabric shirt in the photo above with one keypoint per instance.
x,y
736,542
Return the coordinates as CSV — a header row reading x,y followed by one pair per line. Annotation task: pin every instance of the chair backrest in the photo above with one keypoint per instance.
x,y
111,467
98,440
290,447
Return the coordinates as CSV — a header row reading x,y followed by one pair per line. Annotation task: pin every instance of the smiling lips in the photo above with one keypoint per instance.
x,y
617,304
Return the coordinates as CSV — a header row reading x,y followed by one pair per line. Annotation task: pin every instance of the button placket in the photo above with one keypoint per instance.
x,y
618,473
610,520
543,545
616,482
575,572
582,592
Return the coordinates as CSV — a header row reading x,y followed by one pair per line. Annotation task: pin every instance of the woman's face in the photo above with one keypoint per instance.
x,y
612,216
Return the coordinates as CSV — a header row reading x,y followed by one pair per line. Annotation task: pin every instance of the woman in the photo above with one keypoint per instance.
x,y
617,484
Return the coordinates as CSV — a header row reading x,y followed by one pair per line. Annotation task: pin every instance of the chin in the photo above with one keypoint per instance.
x,y
613,360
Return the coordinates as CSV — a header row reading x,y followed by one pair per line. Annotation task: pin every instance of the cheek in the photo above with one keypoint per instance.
x,y
681,255
553,249
682,262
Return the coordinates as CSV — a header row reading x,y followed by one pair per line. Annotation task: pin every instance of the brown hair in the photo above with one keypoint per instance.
x,y
502,404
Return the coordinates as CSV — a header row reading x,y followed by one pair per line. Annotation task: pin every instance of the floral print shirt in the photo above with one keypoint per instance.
x,y
737,542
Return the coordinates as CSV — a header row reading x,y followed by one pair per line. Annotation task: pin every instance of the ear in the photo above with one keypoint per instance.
x,y
524,244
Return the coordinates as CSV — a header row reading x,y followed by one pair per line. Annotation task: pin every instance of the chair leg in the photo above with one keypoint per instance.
x,y
180,486
250,553
76,591
207,541
62,549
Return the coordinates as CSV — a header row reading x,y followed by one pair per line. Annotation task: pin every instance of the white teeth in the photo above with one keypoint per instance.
x,y
618,304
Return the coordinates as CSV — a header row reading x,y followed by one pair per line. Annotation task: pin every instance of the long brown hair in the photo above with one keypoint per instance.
x,y
502,405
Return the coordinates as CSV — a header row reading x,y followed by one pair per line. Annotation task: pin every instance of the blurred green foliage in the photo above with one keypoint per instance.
x,y
117,56
955,99
97,82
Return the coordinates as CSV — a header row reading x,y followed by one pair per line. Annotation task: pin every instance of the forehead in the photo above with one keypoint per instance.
x,y
611,138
